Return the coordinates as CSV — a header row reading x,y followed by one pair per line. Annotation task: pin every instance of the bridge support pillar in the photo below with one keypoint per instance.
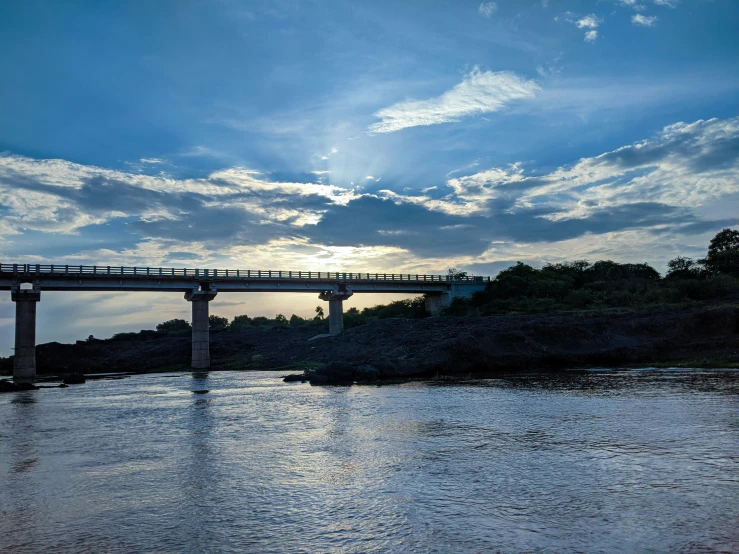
x,y
335,299
24,360
435,303
200,327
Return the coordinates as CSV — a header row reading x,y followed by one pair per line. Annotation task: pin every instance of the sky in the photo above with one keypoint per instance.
x,y
383,136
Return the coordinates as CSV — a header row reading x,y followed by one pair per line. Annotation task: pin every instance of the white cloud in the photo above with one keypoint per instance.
x,y
488,9
591,36
151,161
633,4
479,92
668,3
644,20
686,165
590,21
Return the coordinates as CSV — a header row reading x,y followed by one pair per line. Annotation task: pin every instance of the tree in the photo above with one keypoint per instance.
x,y
241,322
319,313
174,326
281,319
682,268
296,320
216,323
723,253
455,274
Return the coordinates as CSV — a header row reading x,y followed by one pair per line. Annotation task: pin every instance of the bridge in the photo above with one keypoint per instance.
x,y
200,286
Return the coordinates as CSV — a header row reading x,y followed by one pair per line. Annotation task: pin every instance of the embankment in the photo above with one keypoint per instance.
x,y
700,336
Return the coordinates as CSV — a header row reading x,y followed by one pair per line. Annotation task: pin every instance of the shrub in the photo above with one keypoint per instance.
x,y
174,326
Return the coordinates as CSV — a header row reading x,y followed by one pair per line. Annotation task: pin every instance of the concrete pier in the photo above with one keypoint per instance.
x,y
435,303
24,361
335,299
200,327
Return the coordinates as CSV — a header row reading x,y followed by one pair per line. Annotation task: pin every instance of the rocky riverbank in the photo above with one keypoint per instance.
x,y
402,348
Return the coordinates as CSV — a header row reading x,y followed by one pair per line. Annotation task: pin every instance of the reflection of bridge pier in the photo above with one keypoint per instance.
x,y
201,286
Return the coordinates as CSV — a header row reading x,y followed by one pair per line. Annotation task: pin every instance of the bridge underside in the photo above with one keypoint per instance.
x,y
200,287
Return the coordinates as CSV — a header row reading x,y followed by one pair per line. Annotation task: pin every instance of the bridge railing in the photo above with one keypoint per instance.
x,y
29,270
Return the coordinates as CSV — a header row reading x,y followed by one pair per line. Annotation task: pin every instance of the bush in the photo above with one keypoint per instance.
x,y
216,323
174,326
241,322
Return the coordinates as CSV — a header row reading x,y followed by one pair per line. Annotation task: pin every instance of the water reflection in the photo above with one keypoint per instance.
x,y
595,461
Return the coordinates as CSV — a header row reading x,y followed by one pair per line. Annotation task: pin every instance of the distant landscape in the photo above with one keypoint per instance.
x,y
562,315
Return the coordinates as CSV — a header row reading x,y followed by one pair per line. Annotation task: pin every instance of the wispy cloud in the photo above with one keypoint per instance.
x,y
487,9
668,3
644,20
590,22
479,92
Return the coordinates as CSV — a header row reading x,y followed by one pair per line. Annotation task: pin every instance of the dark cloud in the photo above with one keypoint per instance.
x,y
370,221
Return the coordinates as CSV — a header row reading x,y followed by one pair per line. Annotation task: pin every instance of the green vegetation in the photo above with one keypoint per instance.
x,y
174,326
581,285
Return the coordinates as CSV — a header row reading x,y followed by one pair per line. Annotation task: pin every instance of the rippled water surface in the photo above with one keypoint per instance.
x,y
595,461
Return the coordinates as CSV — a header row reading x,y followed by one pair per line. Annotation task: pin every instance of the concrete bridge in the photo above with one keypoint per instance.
x,y
26,281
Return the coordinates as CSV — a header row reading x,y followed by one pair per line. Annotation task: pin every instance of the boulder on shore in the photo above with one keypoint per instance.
x,y
342,373
10,386
72,378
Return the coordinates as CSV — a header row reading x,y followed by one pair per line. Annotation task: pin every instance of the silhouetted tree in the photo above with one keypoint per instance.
x,y
174,326
281,320
682,268
319,312
216,323
723,253
455,274
241,322
296,320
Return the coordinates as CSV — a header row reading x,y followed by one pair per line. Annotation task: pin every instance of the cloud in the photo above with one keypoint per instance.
x,y
589,21
668,3
633,4
478,93
644,20
663,185
488,9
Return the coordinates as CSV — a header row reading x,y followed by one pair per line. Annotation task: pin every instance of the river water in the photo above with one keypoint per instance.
x,y
602,461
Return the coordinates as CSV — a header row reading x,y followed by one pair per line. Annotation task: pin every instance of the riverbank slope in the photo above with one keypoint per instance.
x,y
698,336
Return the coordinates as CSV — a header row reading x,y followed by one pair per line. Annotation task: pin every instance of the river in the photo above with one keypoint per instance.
x,y
600,461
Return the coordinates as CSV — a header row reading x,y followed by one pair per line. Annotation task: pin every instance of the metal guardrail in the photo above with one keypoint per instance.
x,y
29,270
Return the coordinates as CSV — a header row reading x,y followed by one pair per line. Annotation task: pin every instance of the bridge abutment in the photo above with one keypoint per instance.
x,y
335,299
200,327
24,360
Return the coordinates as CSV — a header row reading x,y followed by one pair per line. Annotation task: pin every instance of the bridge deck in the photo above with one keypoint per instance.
x,y
81,277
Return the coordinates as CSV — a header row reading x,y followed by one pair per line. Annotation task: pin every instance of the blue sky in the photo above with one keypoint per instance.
x,y
386,136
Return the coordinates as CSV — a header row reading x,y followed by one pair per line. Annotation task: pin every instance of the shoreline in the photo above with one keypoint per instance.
x,y
706,336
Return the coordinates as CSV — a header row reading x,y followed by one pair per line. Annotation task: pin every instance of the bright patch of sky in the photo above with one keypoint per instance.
x,y
378,136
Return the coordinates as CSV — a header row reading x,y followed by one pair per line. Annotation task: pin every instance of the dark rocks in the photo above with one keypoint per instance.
x,y
72,378
366,373
342,373
10,386
204,391
333,373
295,377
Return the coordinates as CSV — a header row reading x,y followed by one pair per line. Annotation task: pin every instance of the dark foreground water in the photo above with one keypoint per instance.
x,y
639,461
